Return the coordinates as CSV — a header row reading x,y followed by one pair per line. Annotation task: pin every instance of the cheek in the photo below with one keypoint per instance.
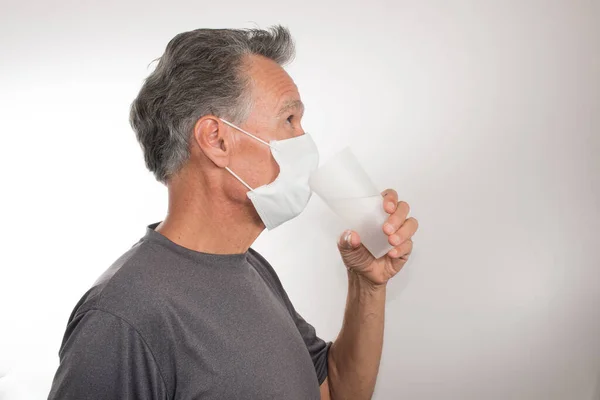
x,y
274,168
260,168
268,169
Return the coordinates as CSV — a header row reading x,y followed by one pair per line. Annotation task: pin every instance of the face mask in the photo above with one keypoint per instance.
x,y
287,196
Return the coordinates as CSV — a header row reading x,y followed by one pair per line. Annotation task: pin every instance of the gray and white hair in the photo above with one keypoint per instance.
x,y
200,73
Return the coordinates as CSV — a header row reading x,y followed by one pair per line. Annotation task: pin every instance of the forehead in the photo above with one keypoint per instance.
x,y
271,86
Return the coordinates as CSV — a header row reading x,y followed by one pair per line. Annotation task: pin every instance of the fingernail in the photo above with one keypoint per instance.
x,y
388,228
393,253
348,238
390,206
395,240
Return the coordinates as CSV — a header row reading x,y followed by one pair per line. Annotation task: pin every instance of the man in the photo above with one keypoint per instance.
x,y
191,311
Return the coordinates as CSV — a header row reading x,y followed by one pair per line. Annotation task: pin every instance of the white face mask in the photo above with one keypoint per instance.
x,y
287,196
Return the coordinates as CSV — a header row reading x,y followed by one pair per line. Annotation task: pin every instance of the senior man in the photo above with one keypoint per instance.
x,y
191,311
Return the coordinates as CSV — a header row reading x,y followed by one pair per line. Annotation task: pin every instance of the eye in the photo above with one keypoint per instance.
x,y
290,118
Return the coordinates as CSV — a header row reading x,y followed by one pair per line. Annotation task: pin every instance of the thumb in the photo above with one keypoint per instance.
x,y
349,240
354,254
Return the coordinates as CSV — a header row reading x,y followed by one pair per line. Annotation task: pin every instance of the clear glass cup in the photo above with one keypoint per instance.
x,y
349,192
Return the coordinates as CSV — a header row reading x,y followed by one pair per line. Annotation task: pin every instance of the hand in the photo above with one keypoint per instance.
x,y
399,230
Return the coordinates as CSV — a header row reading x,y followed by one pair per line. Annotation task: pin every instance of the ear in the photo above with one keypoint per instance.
x,y
210,136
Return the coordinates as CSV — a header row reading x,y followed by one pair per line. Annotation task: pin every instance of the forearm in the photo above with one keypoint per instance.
x,y
355,355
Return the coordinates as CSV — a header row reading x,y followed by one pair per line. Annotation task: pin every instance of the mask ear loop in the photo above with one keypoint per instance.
x,y
252,136
243,131
239,179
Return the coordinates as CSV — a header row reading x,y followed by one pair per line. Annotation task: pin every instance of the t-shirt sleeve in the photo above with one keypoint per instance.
x,y
103,357
316,346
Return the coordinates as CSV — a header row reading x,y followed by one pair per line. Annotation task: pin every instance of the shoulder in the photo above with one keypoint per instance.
x,y
130,287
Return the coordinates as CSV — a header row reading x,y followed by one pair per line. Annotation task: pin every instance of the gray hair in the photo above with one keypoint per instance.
x,y
200,73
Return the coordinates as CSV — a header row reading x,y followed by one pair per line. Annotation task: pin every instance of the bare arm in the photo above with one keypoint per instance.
x,y
353,359
354,356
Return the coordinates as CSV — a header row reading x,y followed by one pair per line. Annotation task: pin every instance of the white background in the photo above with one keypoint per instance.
x,y
485,116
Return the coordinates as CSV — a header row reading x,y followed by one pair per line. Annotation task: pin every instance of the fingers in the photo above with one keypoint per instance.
x,y
396,220
390,200
398,228
406,231
402,250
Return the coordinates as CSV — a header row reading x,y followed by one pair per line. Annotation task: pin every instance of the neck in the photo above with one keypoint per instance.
x,y
203,219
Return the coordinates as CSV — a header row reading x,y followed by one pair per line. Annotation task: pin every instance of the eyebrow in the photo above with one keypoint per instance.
x,y
291,105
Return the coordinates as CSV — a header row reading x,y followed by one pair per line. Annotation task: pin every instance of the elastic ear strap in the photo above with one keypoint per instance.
x,y
239,179
243,131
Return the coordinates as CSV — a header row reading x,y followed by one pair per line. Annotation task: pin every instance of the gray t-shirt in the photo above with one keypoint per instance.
x,y
166,322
